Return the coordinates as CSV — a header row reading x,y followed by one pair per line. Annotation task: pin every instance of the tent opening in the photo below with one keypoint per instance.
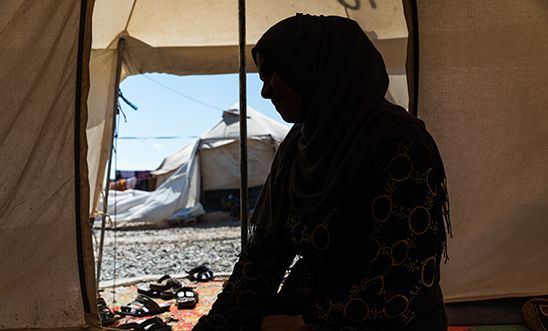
x,y
185,184
175,166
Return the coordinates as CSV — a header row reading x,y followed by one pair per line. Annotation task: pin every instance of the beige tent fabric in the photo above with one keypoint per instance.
x,y
39,279
397,90
227,157
99,127
199,23
195,37
483,95
87,273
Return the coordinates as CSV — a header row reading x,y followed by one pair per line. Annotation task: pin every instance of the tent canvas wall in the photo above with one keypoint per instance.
x,y
482,94
209,163
477,73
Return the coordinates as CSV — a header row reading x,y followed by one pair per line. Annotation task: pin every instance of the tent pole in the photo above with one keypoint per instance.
x,y
243,123
121,45
412,61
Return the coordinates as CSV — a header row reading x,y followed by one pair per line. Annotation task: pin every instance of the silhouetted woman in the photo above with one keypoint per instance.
x,y
356,192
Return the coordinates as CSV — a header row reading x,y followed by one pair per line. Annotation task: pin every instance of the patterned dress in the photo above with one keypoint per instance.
x,y
371,263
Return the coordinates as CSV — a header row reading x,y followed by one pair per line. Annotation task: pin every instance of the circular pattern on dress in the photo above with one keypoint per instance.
x,y
251,271
419,220
373,249
381,208
297,232
216,321
246,300
400,168
399,252
431,181
356,310
396,306
320,237
428,272
375,286
324,306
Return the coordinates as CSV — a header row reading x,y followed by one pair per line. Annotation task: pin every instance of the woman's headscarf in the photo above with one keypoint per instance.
x,y
342,78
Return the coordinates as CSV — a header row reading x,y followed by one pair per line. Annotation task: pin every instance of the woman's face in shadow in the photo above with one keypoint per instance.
x,y
287,101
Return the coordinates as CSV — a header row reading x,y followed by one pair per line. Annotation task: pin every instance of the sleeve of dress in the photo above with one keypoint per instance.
x,y
250,291
402,250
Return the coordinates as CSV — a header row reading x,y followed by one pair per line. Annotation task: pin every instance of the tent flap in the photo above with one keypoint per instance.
x,y
39,268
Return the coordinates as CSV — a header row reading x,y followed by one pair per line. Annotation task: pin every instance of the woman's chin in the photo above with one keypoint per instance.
x,y
286,117
289,114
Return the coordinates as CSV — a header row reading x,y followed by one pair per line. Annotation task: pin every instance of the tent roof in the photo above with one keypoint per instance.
x,y
168,23
158,31
226,130
258,125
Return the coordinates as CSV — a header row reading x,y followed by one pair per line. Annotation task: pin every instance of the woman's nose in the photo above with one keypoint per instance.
x,y
266,91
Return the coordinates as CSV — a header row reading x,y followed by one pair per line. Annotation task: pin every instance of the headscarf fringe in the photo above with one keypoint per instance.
x,y
446,216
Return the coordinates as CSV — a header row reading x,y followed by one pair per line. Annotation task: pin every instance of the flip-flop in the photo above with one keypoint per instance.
x,y
148,292
105,314
186,298
143,306
169,294
200,274
164,283
151,324
534,314
155,289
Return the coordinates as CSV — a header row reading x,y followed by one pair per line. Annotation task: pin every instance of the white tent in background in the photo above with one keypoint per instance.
x,y
209,163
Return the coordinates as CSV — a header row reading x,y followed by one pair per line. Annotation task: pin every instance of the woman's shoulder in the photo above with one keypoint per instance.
x,y
404,128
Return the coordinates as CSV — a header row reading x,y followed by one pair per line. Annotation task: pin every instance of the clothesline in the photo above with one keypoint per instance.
x,y
184,95
159,137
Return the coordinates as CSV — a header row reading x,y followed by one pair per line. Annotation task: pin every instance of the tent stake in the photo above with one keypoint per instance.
x,y
121,44
243,123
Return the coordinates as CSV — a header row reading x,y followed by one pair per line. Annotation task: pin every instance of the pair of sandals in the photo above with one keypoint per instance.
x,y
185,297
167,288
200,273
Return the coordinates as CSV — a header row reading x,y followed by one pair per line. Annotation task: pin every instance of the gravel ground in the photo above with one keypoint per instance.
x,y
169,251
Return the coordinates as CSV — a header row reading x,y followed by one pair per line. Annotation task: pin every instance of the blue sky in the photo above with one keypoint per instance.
x,y
163,110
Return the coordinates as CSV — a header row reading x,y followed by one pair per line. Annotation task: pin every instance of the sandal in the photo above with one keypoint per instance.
x,y
105,314
534,314
169,294
200,274
151,324
165,283
143,306
186,298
